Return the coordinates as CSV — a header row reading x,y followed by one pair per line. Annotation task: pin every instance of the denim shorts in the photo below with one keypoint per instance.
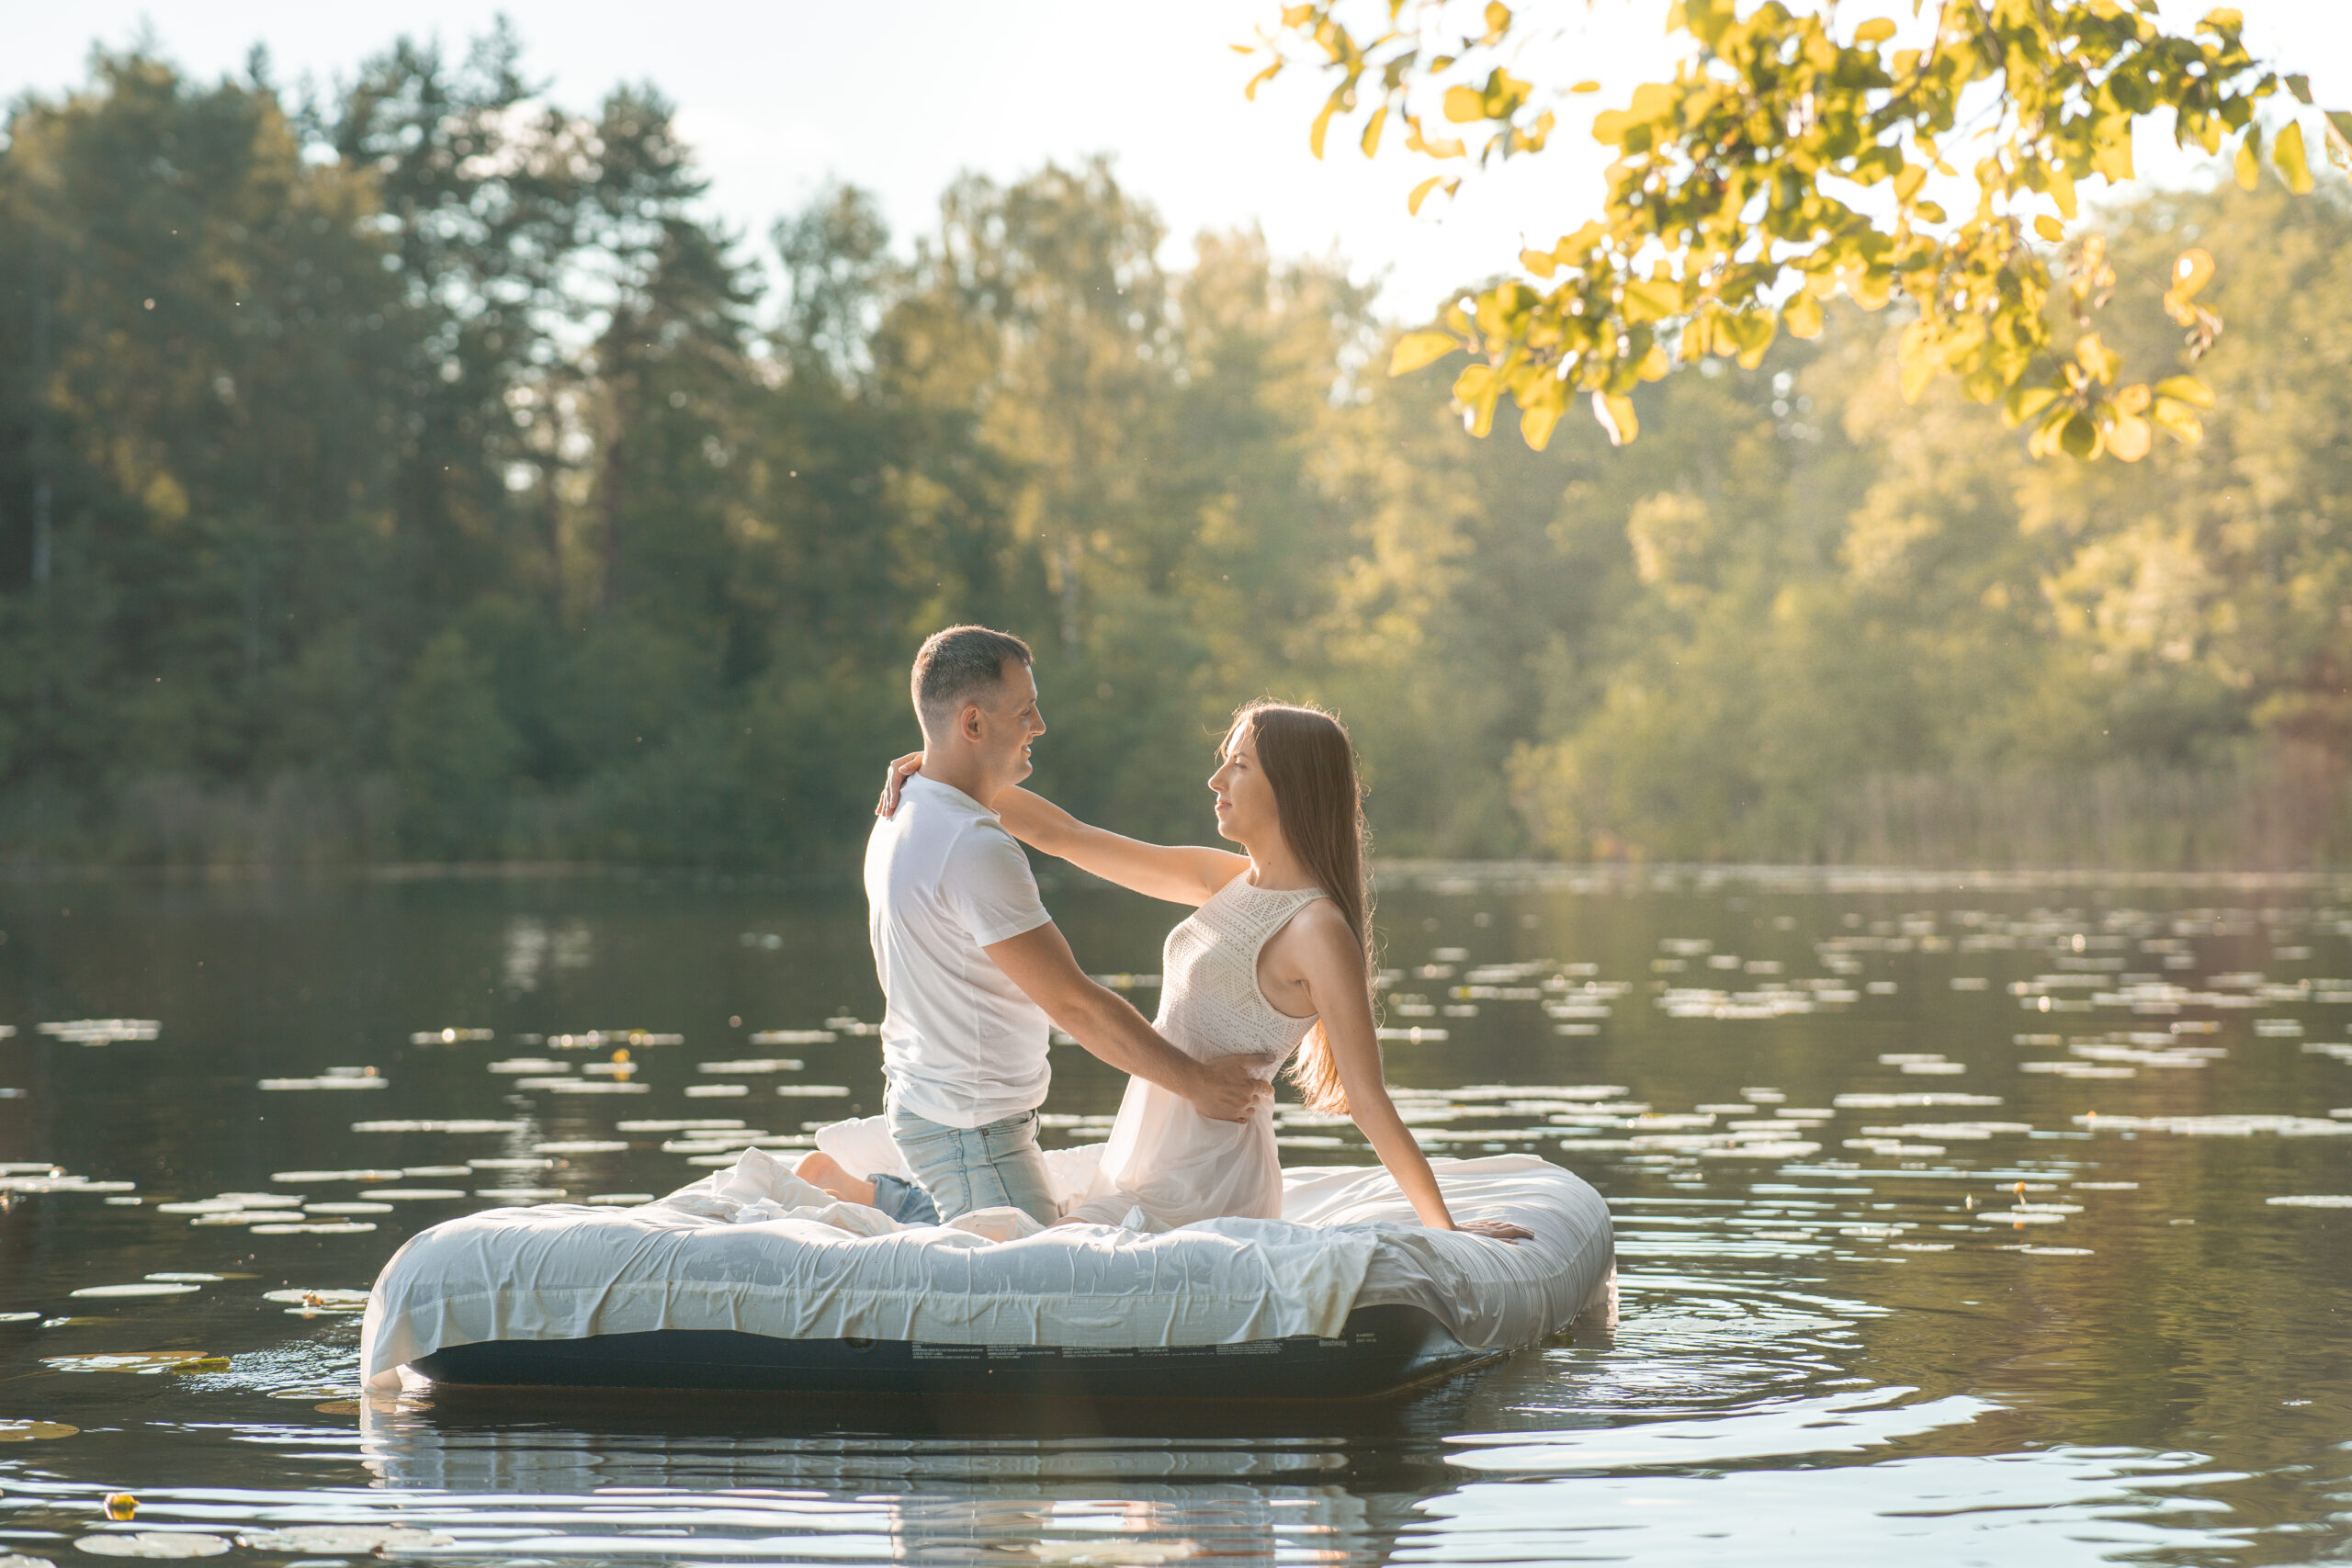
x,y
958,1169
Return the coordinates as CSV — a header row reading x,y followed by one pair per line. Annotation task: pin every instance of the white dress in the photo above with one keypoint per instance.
x,y
1163,1156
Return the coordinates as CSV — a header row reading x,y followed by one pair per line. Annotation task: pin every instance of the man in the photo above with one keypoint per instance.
x,y
974,970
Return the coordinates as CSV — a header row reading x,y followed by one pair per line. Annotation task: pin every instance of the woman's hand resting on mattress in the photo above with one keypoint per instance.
x,y
1500,1230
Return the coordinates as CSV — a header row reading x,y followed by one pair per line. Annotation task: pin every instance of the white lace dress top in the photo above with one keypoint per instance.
x,y
1163,1156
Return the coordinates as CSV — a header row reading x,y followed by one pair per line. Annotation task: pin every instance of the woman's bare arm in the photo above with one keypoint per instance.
x,y
1181,874
1325,955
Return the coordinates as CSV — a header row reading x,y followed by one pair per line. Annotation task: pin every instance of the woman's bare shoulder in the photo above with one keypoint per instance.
x,y
1321,929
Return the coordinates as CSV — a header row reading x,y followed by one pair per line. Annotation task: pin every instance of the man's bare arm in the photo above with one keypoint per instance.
x,y
1041,964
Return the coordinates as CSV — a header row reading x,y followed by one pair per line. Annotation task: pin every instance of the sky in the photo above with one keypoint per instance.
x,y
902,95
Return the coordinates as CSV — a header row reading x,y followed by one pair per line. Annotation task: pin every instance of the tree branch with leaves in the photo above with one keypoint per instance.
x,y
1789,160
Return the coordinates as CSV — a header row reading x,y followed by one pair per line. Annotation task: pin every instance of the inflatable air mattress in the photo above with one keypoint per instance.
x,y
750,1279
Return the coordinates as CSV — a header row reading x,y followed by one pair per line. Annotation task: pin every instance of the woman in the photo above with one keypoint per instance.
x,y
1276,959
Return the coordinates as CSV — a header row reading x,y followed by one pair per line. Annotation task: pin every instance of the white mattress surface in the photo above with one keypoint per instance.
x,y
757,1249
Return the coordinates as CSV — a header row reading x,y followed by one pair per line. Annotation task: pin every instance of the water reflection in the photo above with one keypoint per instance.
x,y
1949,1212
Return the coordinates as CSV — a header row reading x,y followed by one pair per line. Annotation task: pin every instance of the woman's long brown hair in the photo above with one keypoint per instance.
x,y
1318,803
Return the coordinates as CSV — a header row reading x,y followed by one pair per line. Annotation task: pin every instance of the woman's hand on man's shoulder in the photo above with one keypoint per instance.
x,y
894,780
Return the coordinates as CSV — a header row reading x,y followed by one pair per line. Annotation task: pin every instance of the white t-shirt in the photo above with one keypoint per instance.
x,y
962,1045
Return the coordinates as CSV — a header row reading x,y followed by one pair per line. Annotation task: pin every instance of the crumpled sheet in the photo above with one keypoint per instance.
x,y
755,1249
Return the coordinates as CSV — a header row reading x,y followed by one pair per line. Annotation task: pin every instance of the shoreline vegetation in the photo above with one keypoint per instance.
x,y
2279,810
415,474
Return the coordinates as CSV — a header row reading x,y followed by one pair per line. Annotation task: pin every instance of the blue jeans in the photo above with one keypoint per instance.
x,y
958,1169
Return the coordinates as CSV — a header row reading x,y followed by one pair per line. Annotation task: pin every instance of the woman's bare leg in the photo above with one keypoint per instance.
x,y
822,1170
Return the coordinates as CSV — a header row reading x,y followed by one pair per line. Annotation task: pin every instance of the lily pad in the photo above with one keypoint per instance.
x,y
347,1538
31,1432
325,1301
144,1288
155,1543
331,1227
18,1560
132,1362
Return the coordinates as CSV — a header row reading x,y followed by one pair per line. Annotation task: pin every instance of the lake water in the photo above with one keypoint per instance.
x,y
1844,1333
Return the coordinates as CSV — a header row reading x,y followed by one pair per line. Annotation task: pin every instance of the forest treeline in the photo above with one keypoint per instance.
x,y
417,471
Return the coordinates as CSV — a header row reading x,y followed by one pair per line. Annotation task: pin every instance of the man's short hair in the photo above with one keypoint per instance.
x,y
959,663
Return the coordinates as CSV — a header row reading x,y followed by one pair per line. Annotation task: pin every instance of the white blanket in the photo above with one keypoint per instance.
x,y
755,1249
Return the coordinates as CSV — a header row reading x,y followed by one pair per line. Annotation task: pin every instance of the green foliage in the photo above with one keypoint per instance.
x,y
464,494
1741,200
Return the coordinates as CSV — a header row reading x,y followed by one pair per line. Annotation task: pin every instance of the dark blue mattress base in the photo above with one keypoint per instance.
x,y
1380,1350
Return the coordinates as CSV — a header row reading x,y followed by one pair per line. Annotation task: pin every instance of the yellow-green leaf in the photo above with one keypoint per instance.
x,y
2049,227
2178,422
2186,389
1543,264
2096,357
1535,424
1586,87
1323,123
2300,86
1878,30
1908,182
1648,299
1616,417
2025,402
1259,80
1802,316
1421,193
1465,105
2129,438
1415,350
2248,165
1918,368
2191,271
1371,131
2287,153
2079,437
2062,190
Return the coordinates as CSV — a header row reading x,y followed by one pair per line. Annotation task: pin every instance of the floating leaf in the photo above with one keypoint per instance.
x,y
155,1543
144,1288
379,1539
33,1431
129,1361
321,1301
